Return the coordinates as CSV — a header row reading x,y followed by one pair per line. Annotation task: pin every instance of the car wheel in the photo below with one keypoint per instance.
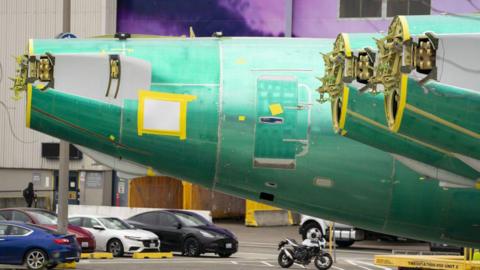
x,y
191,247
224,254
312,230
36,259
115,247
344,243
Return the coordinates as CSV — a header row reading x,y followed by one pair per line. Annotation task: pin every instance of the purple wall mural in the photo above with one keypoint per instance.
x,y
174,17
311,18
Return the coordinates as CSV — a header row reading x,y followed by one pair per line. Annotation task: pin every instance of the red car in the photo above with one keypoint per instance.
x,y
48,219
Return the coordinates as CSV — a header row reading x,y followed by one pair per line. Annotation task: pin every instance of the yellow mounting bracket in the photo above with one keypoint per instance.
x,y
364,66
395,53
338,64
21,75
30,70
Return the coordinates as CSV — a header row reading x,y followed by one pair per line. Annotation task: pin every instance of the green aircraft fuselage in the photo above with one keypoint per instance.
x,y
256,131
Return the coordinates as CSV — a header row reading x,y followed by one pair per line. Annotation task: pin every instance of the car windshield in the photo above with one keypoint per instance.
x,y
114,224
44,218
191,220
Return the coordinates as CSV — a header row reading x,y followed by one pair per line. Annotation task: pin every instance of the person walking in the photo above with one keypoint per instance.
x,y
29,194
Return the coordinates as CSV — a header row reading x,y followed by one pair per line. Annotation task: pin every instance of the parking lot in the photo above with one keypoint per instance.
x,y
258,250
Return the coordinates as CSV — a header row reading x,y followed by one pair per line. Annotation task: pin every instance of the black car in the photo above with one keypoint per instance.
x,y
186,232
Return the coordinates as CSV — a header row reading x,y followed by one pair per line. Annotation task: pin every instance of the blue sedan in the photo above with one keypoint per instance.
x,y
35,247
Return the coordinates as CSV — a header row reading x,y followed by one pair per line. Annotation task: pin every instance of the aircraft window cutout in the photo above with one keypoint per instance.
x,y
271,120
163,113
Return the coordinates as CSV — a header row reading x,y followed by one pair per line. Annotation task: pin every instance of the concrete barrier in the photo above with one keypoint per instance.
x,y
71,265
97,255
120,212
259,215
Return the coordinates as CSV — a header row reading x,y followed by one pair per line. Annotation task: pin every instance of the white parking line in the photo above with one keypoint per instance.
x,y
377,266
255,253
258,244
354,264
267,264
336,267
302,266
167,261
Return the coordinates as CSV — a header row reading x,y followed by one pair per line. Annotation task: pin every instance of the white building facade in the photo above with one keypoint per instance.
x,y
21,158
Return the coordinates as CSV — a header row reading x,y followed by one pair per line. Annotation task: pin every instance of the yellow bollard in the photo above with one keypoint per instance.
x,y
330,238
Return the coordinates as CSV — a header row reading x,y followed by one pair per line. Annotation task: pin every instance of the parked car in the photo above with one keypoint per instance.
x,y
49,219
35,246
186,232
116,236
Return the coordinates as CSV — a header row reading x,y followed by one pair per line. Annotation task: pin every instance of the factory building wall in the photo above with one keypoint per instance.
x,y
20,147
322,18
15,180
96,187
91,18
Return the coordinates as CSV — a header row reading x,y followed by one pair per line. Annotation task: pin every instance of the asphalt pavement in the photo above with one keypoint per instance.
x,y
257,250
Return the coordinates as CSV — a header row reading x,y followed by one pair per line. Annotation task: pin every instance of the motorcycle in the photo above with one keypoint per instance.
x,y
291,252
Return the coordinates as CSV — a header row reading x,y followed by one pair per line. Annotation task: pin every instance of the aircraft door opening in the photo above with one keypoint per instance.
x,y
278,125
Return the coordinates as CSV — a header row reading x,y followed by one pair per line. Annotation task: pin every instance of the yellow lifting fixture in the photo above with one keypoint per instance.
x,y
470,261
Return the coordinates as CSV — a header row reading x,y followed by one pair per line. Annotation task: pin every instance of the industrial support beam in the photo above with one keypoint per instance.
x,y
67,11
288,18
63,174
63,187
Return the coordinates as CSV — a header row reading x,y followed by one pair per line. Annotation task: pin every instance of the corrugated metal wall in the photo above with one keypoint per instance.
x,y
221,205
155,192
23,19
93,17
